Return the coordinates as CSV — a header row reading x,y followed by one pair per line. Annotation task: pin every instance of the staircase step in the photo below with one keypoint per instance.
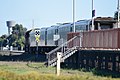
x,y
54,61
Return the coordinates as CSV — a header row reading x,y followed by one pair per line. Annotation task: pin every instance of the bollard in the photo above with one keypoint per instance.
x,y
58,63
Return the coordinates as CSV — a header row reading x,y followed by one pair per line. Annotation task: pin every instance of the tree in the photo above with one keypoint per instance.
x,y
17,38
12,38
19,30
3,41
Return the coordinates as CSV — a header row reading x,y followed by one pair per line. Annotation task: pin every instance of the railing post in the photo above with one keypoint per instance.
x,y
80,42
62,46
58,63
48,59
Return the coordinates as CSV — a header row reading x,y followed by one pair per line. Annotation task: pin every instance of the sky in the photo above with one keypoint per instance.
x,y
46,13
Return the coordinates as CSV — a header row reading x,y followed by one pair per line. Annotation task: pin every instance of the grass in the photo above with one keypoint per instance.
x,y
37,71
23,67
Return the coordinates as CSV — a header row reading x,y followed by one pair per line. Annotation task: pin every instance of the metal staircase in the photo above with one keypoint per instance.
x,y
66,52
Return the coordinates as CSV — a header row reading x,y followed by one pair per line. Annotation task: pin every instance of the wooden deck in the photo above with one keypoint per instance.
x,y
99,59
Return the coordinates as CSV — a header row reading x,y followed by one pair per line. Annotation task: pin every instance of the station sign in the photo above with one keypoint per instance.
x,y
56,37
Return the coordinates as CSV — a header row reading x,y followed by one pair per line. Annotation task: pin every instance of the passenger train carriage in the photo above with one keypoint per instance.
x,y
32,37
47,42
43,37
51,31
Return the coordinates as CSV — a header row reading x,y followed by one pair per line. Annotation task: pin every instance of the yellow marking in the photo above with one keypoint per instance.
x,y
37,38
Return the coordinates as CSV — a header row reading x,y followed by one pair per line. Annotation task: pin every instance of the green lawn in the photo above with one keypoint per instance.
x,y
37,71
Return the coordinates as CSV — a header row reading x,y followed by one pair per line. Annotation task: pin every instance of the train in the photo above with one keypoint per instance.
x,y
52,37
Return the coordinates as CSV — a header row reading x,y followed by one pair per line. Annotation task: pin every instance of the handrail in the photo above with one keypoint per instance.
x,y
62,45
53,57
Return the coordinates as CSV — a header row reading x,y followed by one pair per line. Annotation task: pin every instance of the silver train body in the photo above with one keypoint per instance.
x,y
47,34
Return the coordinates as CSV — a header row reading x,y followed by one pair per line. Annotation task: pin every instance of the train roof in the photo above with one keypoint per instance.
x,y
52,27
44,27
65,24
82,22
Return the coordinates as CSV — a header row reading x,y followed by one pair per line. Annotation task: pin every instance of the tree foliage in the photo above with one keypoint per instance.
x,y
16,39
3,40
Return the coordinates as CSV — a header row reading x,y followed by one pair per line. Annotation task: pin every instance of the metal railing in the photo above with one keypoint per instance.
x,y
65,48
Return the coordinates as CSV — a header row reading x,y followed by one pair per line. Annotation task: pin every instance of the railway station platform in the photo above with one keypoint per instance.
x,y
98,59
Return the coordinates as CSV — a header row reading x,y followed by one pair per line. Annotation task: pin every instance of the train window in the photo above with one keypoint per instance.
x,y
87,28
57,31
70,29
